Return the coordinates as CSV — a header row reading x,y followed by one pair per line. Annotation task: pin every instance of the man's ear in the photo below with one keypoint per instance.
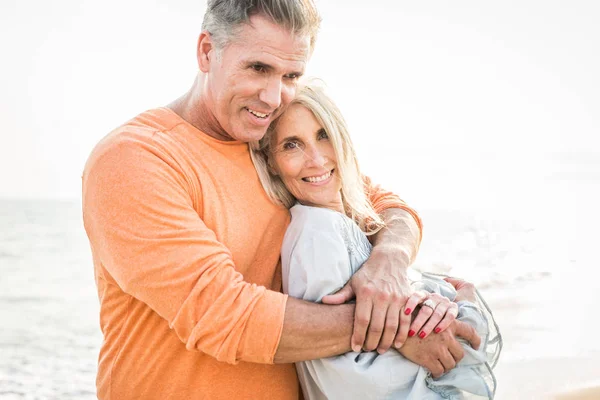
x,y
205,51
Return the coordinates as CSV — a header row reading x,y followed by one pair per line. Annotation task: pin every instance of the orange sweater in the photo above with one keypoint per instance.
x,y
185,245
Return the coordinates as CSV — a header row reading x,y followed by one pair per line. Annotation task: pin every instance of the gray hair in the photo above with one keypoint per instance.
x,y
224,17
355,201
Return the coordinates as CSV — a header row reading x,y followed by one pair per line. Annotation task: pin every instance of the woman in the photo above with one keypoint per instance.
x,y
307,163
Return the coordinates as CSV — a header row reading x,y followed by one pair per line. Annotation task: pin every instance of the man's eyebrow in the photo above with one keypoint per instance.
x,y
260,64
270,67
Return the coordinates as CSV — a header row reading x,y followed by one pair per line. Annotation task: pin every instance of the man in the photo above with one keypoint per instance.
x,y
186,243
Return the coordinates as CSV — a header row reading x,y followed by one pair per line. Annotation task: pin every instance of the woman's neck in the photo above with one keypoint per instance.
x,y
334,205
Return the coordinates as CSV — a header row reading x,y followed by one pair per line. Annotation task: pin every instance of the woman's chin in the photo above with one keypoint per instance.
x,y
335,205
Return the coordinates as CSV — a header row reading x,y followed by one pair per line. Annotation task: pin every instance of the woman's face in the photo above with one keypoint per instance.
x,y
304,159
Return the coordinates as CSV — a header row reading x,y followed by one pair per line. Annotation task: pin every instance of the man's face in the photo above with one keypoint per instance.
x,y
253,79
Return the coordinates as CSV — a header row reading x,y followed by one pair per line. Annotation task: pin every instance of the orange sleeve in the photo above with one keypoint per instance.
x,y
382,200
150,240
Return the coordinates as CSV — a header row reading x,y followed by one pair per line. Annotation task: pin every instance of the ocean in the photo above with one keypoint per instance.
x,y
48,302
50,339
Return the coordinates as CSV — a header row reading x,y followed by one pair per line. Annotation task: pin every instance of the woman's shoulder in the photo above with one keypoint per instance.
x,y
310,225
308,221
314,222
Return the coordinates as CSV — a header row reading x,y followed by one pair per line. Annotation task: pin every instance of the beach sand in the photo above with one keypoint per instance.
x,y
550,331
592,393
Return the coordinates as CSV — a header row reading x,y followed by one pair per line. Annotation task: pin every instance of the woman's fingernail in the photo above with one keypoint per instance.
x,y
411,333
437,330
422,334
407,311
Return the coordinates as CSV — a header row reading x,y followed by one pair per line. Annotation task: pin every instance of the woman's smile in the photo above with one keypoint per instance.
x,y
321,179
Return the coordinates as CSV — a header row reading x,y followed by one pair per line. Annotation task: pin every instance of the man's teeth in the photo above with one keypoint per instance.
x,y
315,179
256,113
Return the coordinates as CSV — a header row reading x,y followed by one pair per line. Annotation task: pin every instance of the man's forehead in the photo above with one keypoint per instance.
x,y
274,59
264,37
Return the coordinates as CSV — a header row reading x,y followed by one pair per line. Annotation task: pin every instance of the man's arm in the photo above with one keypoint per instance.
x,y
400,237
312,331
146,232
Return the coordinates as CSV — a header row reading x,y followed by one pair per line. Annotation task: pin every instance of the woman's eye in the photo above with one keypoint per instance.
x,y
323,134
290,146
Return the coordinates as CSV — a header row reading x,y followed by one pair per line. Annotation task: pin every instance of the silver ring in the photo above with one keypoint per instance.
x,y
430,303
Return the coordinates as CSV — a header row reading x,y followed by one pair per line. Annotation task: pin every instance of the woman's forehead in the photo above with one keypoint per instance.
x,y
298,117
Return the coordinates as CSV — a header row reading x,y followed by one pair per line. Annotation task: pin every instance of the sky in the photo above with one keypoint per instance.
x,y
449,103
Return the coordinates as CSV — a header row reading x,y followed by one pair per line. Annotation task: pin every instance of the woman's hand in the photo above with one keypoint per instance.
x,y
436,314
405,316
464,290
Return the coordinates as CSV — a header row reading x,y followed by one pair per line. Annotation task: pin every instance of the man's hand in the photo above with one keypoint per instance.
x,y
381,289
440,353
464,290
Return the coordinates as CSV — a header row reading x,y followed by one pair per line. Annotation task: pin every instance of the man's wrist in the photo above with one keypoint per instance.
x,y
397,256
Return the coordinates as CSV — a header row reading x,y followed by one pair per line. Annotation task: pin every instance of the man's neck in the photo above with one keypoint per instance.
x,y
193,110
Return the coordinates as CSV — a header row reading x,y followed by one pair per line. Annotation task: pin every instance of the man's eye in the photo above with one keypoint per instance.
x,y
258,68
292,76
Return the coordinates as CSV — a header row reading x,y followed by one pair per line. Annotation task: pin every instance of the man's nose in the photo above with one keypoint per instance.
x,y
271,93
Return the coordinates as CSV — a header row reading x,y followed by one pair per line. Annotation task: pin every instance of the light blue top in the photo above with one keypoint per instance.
x,y
321,250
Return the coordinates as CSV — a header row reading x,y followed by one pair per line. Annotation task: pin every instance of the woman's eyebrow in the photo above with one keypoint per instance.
x,y
287,138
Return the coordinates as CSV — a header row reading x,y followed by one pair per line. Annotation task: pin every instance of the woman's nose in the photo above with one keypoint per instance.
x,y
315,157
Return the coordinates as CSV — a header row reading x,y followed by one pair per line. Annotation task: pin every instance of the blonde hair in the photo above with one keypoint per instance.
x,y
355,202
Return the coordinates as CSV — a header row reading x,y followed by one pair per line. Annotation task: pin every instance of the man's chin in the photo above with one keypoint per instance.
x,y
251,135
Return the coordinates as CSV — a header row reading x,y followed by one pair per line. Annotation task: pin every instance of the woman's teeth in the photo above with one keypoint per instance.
x,y
315,179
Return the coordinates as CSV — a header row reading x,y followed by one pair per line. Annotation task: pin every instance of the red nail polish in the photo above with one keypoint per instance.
x,y
407,311
422,334
411,333
437,330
